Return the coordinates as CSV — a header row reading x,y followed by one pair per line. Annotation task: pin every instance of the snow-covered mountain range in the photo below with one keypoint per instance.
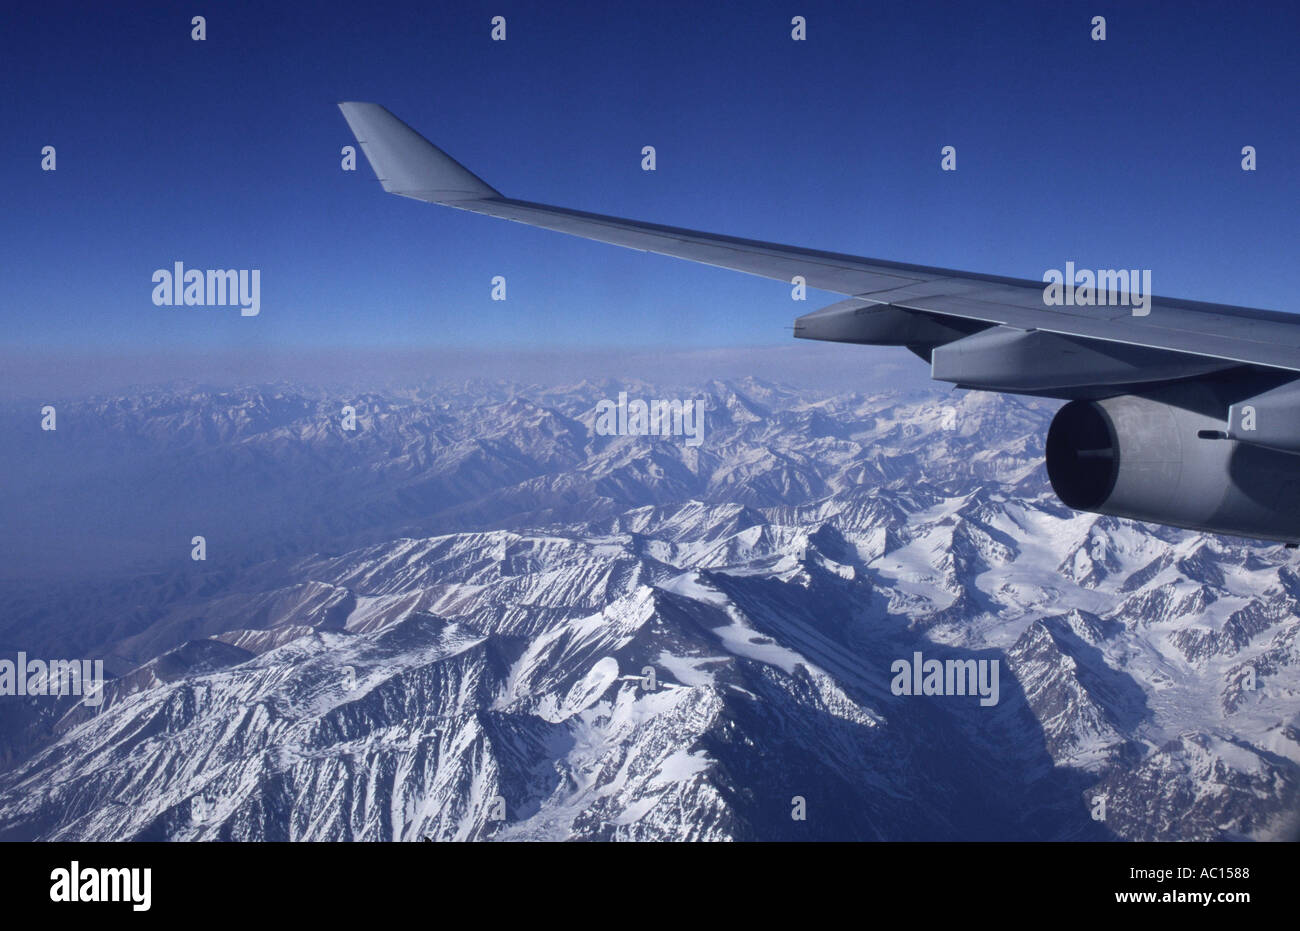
x,y
472,617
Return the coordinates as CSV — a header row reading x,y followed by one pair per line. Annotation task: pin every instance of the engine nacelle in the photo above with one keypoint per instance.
x,y
1165,457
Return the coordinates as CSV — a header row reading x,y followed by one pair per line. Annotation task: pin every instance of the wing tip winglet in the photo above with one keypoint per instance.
x,y
408,164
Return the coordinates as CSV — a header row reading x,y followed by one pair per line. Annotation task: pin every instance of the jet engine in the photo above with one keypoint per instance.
x,y
1169,456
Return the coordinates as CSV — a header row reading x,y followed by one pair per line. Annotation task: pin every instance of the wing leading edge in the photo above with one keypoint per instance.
x,y
1179,336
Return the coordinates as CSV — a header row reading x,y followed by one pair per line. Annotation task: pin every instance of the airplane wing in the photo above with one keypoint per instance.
x,y
951,315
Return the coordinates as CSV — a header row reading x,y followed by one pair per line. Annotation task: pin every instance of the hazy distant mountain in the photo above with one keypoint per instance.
x,y
465,599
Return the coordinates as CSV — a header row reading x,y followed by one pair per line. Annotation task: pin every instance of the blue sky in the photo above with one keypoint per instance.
x,y
225,153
